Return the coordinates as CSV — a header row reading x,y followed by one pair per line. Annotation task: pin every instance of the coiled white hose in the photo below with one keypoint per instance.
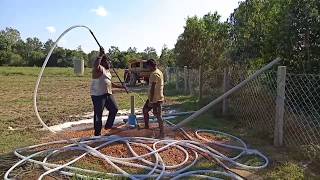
x,y
157,168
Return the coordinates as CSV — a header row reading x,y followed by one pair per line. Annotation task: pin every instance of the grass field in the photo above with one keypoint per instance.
x,y
63,96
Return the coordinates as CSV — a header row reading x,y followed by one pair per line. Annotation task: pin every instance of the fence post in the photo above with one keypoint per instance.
x,y
177,78
190,82
225,89
132,105
278,128
168,75
185,70
200,82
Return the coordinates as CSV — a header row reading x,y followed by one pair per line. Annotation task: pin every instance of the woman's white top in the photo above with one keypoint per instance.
x,y
102,85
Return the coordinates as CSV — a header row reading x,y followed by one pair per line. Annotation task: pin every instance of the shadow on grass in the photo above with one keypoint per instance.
x,y
6,161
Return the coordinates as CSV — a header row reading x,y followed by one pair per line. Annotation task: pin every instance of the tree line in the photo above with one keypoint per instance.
x,y
254,34
16,52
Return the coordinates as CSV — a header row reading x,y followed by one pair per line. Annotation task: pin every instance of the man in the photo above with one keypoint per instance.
x,y
155,96
101,93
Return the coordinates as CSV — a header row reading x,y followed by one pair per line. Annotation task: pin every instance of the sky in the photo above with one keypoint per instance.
x,y
121,23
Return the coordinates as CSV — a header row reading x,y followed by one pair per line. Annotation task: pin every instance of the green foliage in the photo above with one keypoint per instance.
x,y
287,171
32,52
203,41
132,54
255,33
149,53
91,57
167,57
267,29
35,58
15,59
4,57
312,152
9,36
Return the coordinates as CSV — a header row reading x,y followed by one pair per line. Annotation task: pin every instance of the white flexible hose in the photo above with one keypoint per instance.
x,y
157,168
41,73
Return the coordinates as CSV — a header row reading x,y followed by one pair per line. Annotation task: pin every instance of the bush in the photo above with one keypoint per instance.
x,y
288,171
312,152
10,59
16,60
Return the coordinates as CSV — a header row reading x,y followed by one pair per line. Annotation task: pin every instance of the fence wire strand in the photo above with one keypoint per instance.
x,y
255,104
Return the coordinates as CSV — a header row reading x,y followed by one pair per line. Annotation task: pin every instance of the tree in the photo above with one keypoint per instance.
x,y
16,60
35,58
263,30
149,53
167,57
130,55
4,58
33,44
188,48
202,42
11,59
4,43
115,55
48,45
57,57
299,34
132,50
11,35
91,57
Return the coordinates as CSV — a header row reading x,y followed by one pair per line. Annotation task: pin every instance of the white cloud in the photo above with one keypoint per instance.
x,y
51,29
100,11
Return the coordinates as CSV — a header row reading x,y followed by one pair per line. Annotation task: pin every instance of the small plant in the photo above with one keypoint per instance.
x,y
312,152
287,171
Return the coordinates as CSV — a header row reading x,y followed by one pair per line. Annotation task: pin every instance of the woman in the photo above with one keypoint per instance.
x,y
101,93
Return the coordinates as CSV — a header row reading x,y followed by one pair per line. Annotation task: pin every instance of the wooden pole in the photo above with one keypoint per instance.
x,y
281,86
225,95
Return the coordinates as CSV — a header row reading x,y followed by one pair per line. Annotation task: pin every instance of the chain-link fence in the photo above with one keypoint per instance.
x,y
302,112
255,104
187,81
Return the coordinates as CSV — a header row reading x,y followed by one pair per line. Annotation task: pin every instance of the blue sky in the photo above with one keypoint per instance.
x,y
122,23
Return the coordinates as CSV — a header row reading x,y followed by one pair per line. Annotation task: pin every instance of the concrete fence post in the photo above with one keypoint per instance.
x,y
185,70
225,89
278,128
177,78
200,82
168,75
190,82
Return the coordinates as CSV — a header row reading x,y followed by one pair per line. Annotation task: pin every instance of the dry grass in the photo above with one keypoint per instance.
x,y
62,95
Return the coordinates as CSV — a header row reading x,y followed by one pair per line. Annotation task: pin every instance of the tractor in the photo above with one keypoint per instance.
x,y
137,72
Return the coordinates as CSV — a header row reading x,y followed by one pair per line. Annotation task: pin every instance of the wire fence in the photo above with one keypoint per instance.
x,y
302,113
255,104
